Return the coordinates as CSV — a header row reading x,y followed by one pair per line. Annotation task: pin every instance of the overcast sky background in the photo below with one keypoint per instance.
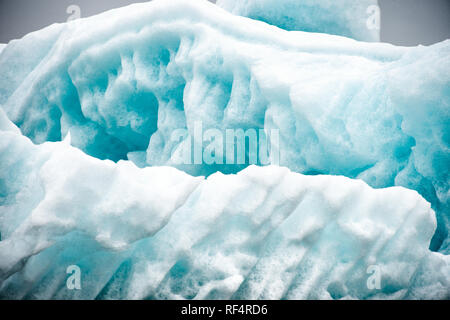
x,y
403,22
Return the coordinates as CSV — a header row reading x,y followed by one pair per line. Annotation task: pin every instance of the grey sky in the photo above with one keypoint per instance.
x,y
403,22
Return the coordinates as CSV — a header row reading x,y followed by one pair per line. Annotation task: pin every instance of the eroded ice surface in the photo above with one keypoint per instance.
x,y
122,82
125,80
265,233
355,19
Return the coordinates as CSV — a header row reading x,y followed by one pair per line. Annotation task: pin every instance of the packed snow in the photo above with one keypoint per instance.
x,y
88,175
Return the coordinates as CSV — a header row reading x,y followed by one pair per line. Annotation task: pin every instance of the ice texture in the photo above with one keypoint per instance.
x,y
355,19
122,82
159,233
114,88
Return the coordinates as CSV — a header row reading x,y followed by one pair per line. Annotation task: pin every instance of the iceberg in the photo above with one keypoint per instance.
x,y
124,81
90,177
359,20
159,233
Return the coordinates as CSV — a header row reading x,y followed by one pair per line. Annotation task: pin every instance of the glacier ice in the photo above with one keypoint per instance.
x,y
117,85
159,233
124,85
355,19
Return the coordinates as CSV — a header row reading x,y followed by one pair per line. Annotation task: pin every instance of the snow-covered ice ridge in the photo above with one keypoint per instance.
x,y
118,84
355,19
159,233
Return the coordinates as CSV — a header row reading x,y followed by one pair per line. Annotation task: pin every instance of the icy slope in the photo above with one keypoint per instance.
x,y
124,81
266,233
349,18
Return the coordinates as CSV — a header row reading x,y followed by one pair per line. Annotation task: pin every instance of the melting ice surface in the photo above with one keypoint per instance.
x,y
115,86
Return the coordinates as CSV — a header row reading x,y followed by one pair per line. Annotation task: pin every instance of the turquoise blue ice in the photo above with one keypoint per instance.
x,y
359,20
362,178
